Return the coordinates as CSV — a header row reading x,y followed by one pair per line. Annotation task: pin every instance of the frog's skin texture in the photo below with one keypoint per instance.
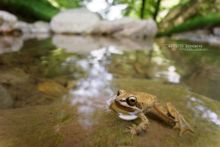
x,y
137,104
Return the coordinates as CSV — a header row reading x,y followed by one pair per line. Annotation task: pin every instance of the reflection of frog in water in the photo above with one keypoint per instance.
x,y
130,106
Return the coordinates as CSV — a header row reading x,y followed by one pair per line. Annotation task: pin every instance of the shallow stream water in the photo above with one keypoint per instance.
x,y
53,91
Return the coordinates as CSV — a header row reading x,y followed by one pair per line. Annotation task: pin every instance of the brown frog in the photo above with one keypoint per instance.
x,y
130,106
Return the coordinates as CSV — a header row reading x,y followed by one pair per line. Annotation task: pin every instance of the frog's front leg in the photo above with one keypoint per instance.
x,y
142,126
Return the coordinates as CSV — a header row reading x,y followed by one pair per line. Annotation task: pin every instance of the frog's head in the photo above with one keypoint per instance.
x,y
127,100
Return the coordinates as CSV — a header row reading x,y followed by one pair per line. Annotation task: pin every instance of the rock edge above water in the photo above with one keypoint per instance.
x,y
81,22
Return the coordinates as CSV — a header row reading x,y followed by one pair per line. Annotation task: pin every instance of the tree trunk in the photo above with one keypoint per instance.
x,y
157,9
142,9
177,14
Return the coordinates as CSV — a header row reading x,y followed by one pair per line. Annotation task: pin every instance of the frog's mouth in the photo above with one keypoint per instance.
x,y
119,104
123,105
126,108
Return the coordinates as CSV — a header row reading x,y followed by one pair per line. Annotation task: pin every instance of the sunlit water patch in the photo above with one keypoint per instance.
x,y
169,73
201,110
93,90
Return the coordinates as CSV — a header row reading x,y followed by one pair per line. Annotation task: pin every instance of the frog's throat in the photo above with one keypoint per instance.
x,y
128,109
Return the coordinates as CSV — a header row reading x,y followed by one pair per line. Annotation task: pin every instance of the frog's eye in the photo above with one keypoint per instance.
x,y
131,100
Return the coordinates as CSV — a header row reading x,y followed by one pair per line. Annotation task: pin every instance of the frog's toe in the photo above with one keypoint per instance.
x,y
137,130
132,130
182,125
180,122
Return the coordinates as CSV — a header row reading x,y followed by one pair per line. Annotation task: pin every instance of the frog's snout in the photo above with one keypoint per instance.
x,y
111,99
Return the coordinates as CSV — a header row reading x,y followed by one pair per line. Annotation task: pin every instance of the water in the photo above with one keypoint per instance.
x,y
54,91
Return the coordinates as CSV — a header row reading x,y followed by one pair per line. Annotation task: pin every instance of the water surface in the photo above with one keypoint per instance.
x,y
54,90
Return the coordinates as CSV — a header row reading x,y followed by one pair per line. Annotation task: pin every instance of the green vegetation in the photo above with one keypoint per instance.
x,y
67,3
172,16
189,15
141,8
37,9
31,9
198,22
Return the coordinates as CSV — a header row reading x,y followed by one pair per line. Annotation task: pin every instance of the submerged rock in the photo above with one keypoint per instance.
x,y
13,76
59,124
51,88
5,99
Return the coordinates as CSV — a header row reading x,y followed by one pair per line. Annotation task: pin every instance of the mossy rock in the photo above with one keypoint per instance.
x,y
59,124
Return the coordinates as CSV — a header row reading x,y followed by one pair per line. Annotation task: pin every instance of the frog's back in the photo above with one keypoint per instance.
x,y
146,99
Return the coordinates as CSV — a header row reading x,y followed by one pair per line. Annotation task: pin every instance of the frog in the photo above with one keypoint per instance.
x,y
137,105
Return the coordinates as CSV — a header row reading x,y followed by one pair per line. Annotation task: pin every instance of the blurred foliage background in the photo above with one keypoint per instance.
x,y
167,13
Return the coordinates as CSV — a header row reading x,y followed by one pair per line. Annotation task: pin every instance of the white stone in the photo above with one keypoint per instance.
x,y
22,26
41,27
110,27
139,29
216,31
37,27
38,30
8,21
127,27
82,21
76,21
